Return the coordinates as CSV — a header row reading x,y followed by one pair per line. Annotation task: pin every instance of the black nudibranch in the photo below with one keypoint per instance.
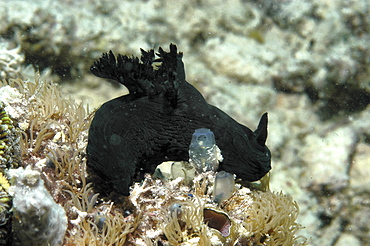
x,y
132,134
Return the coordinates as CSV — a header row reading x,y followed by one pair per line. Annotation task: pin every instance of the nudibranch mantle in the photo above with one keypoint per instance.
x,y
132,134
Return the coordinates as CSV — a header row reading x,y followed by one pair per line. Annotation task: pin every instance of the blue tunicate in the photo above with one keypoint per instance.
x,y
204,154
223,187
175,210
100,220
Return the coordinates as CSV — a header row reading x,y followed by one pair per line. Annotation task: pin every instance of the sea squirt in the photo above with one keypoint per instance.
x,y
223,187
204,154
132,134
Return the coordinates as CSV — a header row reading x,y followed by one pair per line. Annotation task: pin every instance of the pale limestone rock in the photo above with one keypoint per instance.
x,y
326,158
348,240
360,169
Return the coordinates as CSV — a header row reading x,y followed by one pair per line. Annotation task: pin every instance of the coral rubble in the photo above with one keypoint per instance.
x,y
37,218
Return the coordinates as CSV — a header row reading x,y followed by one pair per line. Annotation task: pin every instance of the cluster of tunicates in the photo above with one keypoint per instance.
x,y
205,156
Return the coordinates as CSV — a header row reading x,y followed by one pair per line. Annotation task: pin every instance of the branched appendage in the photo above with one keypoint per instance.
x,y
139,76
171,63
129,71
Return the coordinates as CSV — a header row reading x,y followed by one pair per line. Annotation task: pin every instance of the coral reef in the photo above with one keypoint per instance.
x,y
9,158
49,129
187,214
167,212
183,214
305,62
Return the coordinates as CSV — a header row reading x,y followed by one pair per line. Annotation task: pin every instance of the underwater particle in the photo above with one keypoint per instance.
x,y
257,36
223,187
204,154
131,135
217,220
37,218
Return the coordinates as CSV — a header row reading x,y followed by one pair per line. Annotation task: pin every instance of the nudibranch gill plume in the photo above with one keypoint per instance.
x,y
132,134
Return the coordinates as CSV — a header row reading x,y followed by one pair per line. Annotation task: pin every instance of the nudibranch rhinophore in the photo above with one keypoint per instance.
x,y
132,134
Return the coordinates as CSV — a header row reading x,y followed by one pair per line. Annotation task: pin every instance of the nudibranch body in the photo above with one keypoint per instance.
x,y
132,134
